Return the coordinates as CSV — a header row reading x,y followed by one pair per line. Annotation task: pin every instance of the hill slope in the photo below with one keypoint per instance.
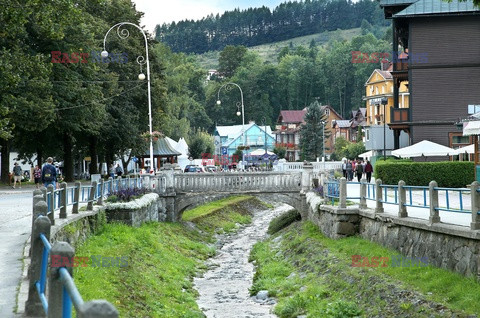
x,y
269,52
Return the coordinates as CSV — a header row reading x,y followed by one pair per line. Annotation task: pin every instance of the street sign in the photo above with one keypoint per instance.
x,y
224,151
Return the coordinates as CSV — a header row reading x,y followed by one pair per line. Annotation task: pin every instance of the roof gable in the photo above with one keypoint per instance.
x,y
291,116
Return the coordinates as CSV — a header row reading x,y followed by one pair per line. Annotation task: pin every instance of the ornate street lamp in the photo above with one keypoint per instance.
x,y
123,34
323,143
384,103
228,86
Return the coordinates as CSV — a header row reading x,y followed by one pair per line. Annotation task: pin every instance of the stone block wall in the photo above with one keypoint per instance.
x,y
137,212
447,246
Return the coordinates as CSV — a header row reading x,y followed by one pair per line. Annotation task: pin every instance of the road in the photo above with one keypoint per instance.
x,y
15,228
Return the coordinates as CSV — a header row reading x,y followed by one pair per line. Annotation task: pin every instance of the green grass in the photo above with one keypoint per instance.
x,y
324,284
269,52
162,259
212,207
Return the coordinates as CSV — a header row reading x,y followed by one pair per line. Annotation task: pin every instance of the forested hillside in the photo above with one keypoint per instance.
x,y
256,26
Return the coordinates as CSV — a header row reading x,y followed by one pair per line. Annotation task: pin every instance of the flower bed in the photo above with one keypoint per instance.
x,y
134,212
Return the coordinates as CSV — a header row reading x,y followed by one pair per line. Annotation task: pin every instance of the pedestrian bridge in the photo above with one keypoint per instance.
x,y
187,190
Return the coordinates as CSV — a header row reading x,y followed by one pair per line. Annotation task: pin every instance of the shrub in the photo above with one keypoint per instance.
x,y
282,221
318,190
451,174
126,195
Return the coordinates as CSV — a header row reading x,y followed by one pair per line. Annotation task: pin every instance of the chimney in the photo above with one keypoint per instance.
x,y
384,64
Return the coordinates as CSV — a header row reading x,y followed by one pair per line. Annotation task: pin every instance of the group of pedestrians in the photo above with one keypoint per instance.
x,y
356,168
48,175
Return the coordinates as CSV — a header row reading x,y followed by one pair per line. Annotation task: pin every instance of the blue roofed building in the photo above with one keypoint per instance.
x,y
229,138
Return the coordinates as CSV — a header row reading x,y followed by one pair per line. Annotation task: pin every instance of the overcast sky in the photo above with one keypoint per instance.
x,y
166,11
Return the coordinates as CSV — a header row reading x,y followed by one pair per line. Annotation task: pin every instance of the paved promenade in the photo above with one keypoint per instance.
x,y
15,228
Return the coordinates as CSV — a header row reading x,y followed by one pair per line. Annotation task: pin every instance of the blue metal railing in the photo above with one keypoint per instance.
x,y
42,282
385,188
460,192
70,291
333,190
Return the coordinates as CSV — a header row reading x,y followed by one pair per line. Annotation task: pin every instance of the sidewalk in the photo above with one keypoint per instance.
x,y
15,228
457,218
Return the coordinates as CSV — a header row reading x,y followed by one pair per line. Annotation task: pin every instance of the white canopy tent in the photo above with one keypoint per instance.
x,y
260,152
471,128
424,148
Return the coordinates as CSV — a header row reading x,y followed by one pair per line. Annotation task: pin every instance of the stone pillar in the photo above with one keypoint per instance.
x,y
50,197
402,200
63,200
38,197
170,182
102,191
97,309
474,197
91,196
433,196
343,193
307,176
76,197
55,286
378,196
110,186
322,180
363,194
33,305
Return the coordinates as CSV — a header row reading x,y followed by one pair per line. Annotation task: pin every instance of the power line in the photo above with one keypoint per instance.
x,y
104,99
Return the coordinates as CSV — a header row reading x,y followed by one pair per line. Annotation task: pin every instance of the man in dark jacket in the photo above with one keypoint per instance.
x,y
49,173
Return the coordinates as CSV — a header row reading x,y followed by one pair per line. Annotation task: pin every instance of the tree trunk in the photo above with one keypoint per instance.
x,y
93,155
39,157
5,158
67,158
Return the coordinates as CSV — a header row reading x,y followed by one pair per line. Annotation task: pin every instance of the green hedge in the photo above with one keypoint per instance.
x,y
450,174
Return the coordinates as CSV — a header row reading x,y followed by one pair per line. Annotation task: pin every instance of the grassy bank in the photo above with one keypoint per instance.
x,y
311,274
162,260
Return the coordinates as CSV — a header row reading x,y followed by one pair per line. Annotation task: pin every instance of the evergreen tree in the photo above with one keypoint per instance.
x,y
311,134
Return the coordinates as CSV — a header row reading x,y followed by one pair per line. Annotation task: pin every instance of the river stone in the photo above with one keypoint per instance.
x,y
262,295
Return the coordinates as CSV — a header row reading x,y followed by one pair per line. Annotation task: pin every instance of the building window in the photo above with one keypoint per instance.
x,y
460,140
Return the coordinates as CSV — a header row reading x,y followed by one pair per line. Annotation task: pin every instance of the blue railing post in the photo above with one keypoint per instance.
x,y
91,196
363,194
433,195
42,225
56,296
50,197
378,197
475,200
63,200
402,200
76,197
342,203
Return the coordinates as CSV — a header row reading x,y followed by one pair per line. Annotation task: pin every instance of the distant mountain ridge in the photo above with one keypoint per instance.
x,y
256,26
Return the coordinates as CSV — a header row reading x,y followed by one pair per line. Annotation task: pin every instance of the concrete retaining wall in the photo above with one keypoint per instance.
x,y
447,246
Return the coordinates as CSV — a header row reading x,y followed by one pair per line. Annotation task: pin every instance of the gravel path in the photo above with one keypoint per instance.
x,y
224,288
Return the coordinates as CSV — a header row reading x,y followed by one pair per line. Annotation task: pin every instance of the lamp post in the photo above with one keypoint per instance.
x,y
384,103
265,129
228,87
123,34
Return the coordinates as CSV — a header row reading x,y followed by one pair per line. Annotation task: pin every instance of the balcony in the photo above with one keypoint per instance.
x,y
400,69
399,118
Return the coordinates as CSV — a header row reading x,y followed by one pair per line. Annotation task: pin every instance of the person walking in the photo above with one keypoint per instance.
x,y
112,171
17,175
344,168
368,171
37,176
118,170
349,168
359,170
49,174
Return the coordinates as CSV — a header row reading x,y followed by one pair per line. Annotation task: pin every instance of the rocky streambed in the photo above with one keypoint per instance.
x,y
224,288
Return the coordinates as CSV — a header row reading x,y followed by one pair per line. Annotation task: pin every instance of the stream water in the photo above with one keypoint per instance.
x,y
224,287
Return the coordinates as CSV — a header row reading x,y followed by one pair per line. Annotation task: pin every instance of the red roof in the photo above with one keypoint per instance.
x,y
292,116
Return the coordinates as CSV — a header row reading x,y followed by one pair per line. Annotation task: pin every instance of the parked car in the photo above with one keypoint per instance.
x,y
211,168
192,168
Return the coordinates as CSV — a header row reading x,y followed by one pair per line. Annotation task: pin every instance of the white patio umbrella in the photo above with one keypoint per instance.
x,y
260,152
366,155
424,148
467,149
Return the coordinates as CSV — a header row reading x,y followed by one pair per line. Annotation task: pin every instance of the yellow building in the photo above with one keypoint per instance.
x,y
379,85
